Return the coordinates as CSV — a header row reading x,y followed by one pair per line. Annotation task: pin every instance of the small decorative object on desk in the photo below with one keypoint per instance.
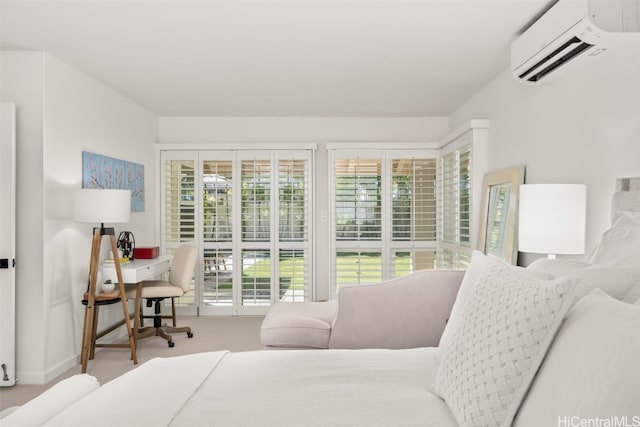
x,y
108,287
111,261
127,244
149,252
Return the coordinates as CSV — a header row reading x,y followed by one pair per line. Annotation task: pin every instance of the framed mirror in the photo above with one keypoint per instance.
x,y
499,213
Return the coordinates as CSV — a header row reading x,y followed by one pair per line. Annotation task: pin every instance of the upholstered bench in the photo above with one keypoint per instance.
x,y
298,325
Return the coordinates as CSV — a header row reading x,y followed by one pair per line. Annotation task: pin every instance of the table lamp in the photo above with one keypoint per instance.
x,y
99,206
552,219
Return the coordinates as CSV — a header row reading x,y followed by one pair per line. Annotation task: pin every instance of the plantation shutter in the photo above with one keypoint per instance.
x,y
217,200
217,219
256,208
248,212
384,211
256,198
454,211
179,212
413,215
293,182
179,201
358,221
275,246
358,202
464,196
293,227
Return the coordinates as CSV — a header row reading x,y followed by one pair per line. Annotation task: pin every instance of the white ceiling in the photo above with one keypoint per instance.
x,y
279,58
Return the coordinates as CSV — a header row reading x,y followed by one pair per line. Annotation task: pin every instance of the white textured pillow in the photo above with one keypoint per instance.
x,y
471,276
620,245
504,332
592,368
474,271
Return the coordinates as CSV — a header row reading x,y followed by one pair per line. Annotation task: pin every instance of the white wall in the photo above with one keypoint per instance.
x,y
582,127
300,129
201,131
73,113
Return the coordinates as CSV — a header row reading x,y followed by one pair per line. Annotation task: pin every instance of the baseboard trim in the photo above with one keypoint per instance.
x,y
62,367
40,378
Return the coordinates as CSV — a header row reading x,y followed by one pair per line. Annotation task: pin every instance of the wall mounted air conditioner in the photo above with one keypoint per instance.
x,y
571,32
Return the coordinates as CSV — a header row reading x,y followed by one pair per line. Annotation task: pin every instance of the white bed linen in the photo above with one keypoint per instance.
x,y
150,395
39,410
270,388
320,388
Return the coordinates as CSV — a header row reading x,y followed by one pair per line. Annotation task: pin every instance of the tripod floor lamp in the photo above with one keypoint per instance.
x,y
102,206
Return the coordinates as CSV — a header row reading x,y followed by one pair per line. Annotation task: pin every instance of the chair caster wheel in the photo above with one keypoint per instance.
x,y
171,344
189,334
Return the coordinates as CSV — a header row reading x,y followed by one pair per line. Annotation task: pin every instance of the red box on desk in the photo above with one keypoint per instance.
x,y
148,252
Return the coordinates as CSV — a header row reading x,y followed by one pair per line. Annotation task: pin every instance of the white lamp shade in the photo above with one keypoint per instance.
x,y
99,205
552,218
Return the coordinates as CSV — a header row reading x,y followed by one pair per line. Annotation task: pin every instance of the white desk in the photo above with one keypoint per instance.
x,y
134,272
137,270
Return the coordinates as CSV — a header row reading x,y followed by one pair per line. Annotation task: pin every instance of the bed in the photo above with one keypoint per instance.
x,y
272,388
377,387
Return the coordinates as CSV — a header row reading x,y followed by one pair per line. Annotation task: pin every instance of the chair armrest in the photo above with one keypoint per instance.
x,y
407,312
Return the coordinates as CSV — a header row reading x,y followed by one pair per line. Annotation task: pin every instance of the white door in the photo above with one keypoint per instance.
x,y
7,243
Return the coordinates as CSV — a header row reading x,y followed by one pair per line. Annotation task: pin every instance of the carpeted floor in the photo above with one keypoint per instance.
x,y
211,333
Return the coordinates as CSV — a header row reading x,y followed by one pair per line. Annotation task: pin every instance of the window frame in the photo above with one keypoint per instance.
x,y
453,250
275,246
386,246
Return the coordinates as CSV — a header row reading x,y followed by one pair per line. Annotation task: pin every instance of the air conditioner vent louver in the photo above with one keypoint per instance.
x,y
560,56
572,32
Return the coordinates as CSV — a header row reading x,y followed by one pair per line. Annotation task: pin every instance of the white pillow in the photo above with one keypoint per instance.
x,y
627,219
620,282
624,201
41,409
471,276
620,245
504,332
557,266
592,368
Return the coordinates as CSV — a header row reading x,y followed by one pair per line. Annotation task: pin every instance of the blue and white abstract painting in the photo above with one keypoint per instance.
x,y
100,171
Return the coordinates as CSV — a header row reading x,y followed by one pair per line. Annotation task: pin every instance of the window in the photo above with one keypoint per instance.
x,y
248,213
384,211
454,218
179,209
413,215
217,221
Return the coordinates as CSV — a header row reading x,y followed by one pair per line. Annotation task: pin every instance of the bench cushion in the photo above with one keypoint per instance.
x,y
298,325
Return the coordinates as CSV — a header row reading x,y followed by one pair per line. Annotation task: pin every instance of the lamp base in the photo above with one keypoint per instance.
x,y
89,334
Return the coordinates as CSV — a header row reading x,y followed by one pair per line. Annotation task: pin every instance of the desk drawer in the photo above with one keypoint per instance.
x,y
139,270
155,270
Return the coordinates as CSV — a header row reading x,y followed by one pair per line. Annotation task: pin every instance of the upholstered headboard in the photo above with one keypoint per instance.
x,y
626,197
